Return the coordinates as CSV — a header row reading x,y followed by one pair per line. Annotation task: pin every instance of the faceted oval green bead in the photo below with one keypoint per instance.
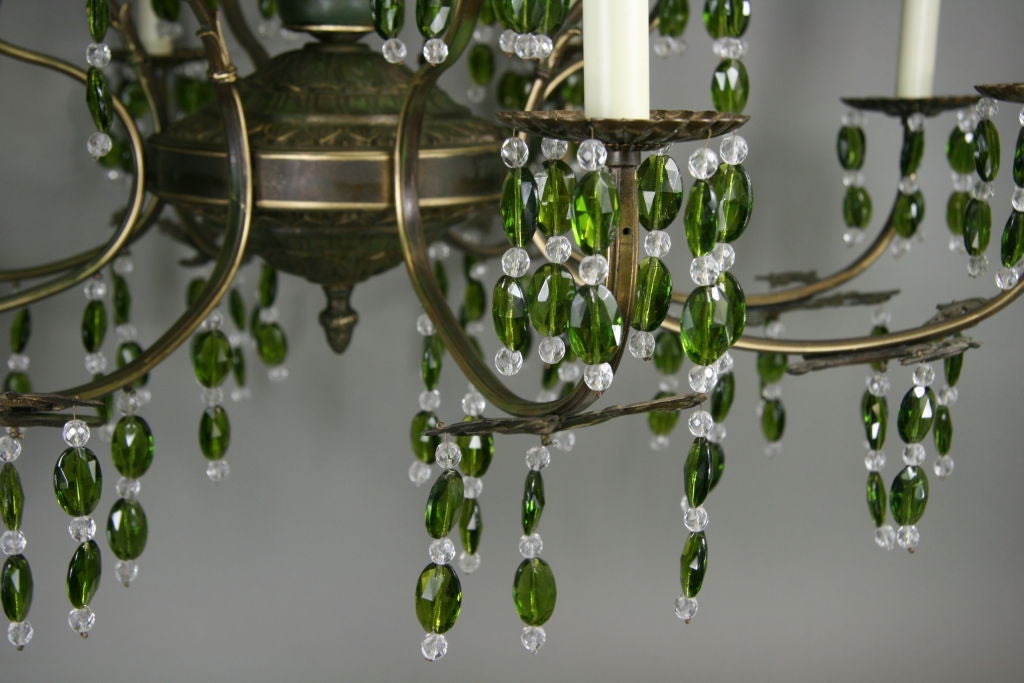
x,y
519,206
726,18
662,422
94,326
698,472
668,353
17,383
12,496
693,564
510,314
595,214
477,453
730,86
917,411
952,367
874,413
471,526
127,529
77,481
659,191
653,294
431,360
84,573
595,325
522,16
214,433
986,150
432,17
960,151
98,99
700,218
211,357
554,16
192,291
238,365
955,211
443,503
16,587
438,598
713,319
717,464
474,300
1011,247
533,501
271,344
21,330
126,353
771,367
132,446
1018,160
133,97
551,293
481,64
168,10
908,495
912,151
267,291
857,207
851,146
556,198
513,89
722,396
237,308
943,430
97,13
908,213
876,498
423,446
773,420
673,16
122,298
977,226
735,201
534,591
388,17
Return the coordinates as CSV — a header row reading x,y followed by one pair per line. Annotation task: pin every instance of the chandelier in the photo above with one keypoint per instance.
x,y
605,238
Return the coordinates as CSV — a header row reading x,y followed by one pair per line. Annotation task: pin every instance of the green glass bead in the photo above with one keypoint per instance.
x,y
471,526
99,100
441,276
550,295
127,529
662,422
1018,160
908,495
133,97
122,298
668,354
697,472
771,367
430,362
21,330
126,353
195,286
97,13
851,146
672,17
388,17
960,151
423,446
474,301
595,215
211,357
488,15
12,496
908,213
773,420
510,313
192,94
106,408
16,587
549,376
653,294
443,503
432,17
857,207
132,446
700,218
533,501
94,326
952,367
917,411
513,89
717,464
214,433
874,413
730,86
693,564
735,201
168,10
236,307
912,151
238,370
877,331
84,573
534,592
271,343
955,211
522,16
713,319
268,8
722,396
519,206
556,199
726,18
1011,247
595,325
481,64
17,383
876,498
77,481
477,453
986,150
977,226
268,286
659,191
943,430
438,598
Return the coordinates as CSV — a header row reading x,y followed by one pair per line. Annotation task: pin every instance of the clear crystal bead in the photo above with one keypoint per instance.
x,y
947,396
908,184
594,269
76,433
967,119
526,46
669,384
508,362
703,163
438,251
447,455
127,402
558,249
700,423
881,317
662,46
96,363
983,191
977,265
95,288
10,448
442,551
435,51
430,399
730,48
874,461
424,325
81,620
215,320
569,372
128,488
82,529
703,378
1017,199
547,396
419,473
531,546
507,41
718,433
19,633
434,646
553,148
533,638
564,441
515,262
126,332
469,562
774,329
853,179
915,121
773,450
943,466
733,149
473,403
641,345
853,117
476,94
538,458
545,46
240,394
514,152
591,154
879,384
704,270
97,55
686,608
660,442
885,537
962,182
124,265
695,519
479,271
913,454
724,363
472,487
211,396
1007,278
551,350
1020,117
126,572
853,236
772,391
987,107
13,542
657,243
483,33
725,255
18,362
598,377
218,470
899,247
99,145
924,375
908,537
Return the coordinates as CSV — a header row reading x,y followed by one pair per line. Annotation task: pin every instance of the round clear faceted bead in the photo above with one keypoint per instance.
x,y
733,149
967,119
13,542
218,470
885,537
126,572
703,163
591,154
569,372
95,288
128,403
447,455
97,55
479,271
598,377
215,320
211,396
476,94
533,638
81,620
982,191
547,396
853,236
730,48
76,433
879,384
553,148
82,529
424,325
419,473
774,329
725,255
874,461
124,265
962,182
924,375
1020,117
704,270
473,403
772,391
472,487
434,646
442,551
96,363
686,608
660,442
531,546
913,454
439,251
99,145
10,448
538,458
853,117
508,362
507,41
526,46
943,466
483,33
669,383
558,249
18,362
20,633
663,46
881,317
977,265
430,399
126,332
899,247
1017,199
545,46
908,537
641,345
515,262
987,107
915,121
435,51
551,350
1007,278
947,396
724,363
700,423
853,179
469,562
514,152
908,184
657,243
128,488
703,378
239,394
718,433
773,450
695,519
564,441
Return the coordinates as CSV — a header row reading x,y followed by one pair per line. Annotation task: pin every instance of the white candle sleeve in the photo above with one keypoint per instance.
x,y
616,59
918,41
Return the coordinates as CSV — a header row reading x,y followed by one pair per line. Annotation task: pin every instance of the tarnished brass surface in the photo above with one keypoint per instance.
x,y
902,107
1007,92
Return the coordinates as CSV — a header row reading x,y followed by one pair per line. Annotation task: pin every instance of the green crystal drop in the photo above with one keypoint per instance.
x,y
653,294
12,496
550,295
730,86
214,433
84,573
477,453
132,447
533,501
443,503
595,325
717,464
97,97
474,300
908,495
211,357
430,363
126,353
519,206
271,343
556,199
912,151
874,412
127,529
94,326
1018,160
771,367
917,411
510,314
662,422
659,191
735,201
432,17
522,16
168,10
438,598
773,420
554,16
236,307
986,150
122,298
955,211
534,592
549,376
977,226
268,8
878,331
471,526
851,146
595,216
693,564
960,151
722,396
698,472
713,319
97,13
673,16
423,446
21,330
195,286
943,430
668,353
736,318
388,16
238,365
700,218
857,207
16,588
441,275
481,64
876,498
1011,247
513,89
268,286
908,213
17,383
726,18
952,367
77,481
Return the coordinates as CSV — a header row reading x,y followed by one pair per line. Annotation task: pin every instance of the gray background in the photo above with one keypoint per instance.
x,y
302,565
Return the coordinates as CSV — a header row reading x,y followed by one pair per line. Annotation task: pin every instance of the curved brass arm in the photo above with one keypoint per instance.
x,y
240,29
